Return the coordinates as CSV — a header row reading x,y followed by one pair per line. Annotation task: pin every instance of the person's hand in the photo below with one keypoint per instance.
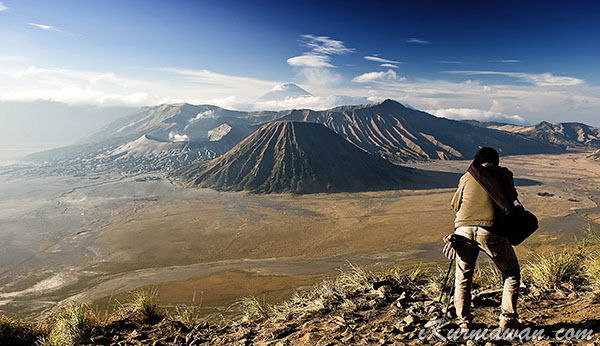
x,y
448,249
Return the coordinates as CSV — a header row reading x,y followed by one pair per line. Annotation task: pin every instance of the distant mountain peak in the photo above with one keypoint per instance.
x,y
284,91
297,157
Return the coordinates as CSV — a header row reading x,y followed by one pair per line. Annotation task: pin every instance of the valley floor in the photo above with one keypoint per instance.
x,y
94,238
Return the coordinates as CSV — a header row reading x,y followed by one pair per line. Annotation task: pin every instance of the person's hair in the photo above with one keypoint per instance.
x,y
486,155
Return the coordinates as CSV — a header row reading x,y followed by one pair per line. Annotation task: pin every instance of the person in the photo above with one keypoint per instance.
x,y
479,227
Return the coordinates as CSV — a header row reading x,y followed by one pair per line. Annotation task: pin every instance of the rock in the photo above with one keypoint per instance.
x,y
308,339
283,331
402,296
384,291
411,319
339,320
535,292
402,328
346,339
134,335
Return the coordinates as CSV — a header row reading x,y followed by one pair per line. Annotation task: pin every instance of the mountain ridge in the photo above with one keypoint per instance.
x,y
401,134
299,157
387,129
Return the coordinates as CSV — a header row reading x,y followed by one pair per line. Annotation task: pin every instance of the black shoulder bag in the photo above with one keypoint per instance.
x,y
519,223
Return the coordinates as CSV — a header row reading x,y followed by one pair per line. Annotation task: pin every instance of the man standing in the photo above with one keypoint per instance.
x,y
479,225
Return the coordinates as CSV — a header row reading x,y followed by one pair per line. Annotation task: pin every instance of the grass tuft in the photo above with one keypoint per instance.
x,y
592,271
255,308
551,270
487,275
144,304
15,331
189,315
70,326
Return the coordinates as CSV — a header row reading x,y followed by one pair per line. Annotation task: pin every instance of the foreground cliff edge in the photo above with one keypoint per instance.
x,y
560,302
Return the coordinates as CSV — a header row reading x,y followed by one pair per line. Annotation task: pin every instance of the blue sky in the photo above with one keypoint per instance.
x,y
505,60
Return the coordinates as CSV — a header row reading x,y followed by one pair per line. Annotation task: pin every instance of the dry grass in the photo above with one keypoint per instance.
x,y
592,271
487,275
70,325
15,331
551,270
144,304
190,314
254,307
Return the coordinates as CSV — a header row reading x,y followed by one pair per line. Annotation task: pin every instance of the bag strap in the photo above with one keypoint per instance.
x,y
493,188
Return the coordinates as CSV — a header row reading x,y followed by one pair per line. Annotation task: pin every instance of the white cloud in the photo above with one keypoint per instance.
x,y
310,102
541,79
389,65
75,95
382,60
578,102
206,114
508,61
44,27
310,60
176,137
3,7
315,66
205,85
318,77
280,87
325,45
477,114
417,40
52,28
107,88
389,75
71,87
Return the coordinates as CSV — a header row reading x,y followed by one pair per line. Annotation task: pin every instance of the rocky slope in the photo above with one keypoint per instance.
x,y
400,134
389,307
568,135
160,138
360,310
298,157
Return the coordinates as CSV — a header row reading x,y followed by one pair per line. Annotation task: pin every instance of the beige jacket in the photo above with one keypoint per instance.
x,y
472,204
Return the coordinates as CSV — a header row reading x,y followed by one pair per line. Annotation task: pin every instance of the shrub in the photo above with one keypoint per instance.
x,y
189,315
144,304
592,270
70,325
15,331
487,275
253,307
435,281
551,270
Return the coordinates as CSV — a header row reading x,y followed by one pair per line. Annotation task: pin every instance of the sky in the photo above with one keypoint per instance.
x,y
510,61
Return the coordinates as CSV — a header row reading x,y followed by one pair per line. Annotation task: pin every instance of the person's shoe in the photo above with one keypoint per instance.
x,y
509,323
464,325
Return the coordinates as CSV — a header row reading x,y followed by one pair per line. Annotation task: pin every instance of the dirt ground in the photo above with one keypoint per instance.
x,y
124,234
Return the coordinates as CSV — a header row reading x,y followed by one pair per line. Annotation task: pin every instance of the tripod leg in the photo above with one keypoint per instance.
x,y
446,280
449,296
